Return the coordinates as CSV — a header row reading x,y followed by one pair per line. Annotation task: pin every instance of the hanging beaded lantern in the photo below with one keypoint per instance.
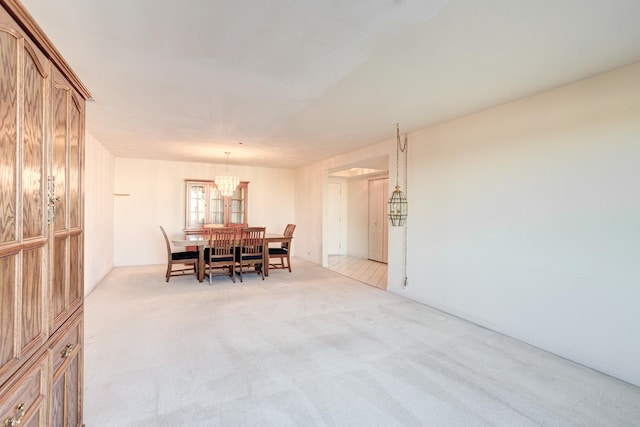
x,y
398,206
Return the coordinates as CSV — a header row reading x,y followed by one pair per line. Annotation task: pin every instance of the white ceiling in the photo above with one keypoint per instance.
x,y
282,83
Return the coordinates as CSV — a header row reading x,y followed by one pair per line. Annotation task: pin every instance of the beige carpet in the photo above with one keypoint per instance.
x,y
315,348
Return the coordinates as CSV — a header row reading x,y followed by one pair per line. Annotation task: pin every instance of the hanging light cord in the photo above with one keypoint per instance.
x,y
404,148
405,151
400,148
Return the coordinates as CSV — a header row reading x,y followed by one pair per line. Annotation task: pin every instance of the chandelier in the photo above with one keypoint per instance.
x,y
398,205
227,184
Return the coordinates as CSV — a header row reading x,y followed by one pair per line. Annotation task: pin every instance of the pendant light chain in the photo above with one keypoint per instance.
x,y
401,148
406,193
398,148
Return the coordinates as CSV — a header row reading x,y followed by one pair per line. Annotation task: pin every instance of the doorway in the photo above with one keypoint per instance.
x,y
346,220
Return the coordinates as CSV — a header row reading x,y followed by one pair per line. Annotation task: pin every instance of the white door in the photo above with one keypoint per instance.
x,y
334,195
378,227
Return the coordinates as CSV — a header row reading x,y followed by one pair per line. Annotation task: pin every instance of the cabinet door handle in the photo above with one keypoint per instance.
x,y
14,421
52,199
67,350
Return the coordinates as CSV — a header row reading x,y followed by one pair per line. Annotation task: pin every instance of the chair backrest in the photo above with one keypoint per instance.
x,y
288,232
221,242
166,240
252,240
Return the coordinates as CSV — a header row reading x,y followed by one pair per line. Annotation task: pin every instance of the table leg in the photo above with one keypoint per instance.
x,y
201,264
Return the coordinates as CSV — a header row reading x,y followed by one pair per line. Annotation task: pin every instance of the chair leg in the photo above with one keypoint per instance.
x,y
168,272
289,263
240,265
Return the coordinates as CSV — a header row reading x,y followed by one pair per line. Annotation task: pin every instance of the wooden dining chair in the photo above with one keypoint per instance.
x,y
250,251
187,261
220,253
283,252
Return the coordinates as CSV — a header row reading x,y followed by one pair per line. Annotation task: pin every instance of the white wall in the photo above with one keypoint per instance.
x,y
98,237
525,219
156,196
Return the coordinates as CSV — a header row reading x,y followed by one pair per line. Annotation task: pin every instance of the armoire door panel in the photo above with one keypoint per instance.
x,y
73,392
57,403
33,330
9,248
22,219
66,355
75,270
8,134
59,285
60,96
65,398
74,164
33,148
25,402
66,265
7,314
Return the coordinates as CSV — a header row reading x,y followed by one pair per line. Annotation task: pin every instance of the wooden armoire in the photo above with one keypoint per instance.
x,y
42,110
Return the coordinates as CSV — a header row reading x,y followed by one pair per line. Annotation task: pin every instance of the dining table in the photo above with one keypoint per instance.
x,y
201,241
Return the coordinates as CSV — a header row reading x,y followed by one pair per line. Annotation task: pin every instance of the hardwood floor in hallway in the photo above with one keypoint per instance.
x,y
364,270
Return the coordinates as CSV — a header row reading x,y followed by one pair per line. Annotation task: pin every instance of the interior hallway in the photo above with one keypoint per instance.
x,y
313,347
363,270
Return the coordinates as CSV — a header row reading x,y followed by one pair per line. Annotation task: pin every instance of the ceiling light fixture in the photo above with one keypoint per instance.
x,y
227,184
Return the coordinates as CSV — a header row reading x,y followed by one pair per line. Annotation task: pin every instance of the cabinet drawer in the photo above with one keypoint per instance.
x,y
66,344
24,403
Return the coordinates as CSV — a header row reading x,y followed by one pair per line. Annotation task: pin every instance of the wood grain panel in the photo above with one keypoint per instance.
x,y
74,164
8,135
30,389
41,132
33,141
38,419
33,331
73,393
75,278
60,96
59,287
7,310
71,337
66,367
57,403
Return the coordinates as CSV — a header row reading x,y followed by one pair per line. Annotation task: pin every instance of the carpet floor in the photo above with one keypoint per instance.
x,y
315,348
